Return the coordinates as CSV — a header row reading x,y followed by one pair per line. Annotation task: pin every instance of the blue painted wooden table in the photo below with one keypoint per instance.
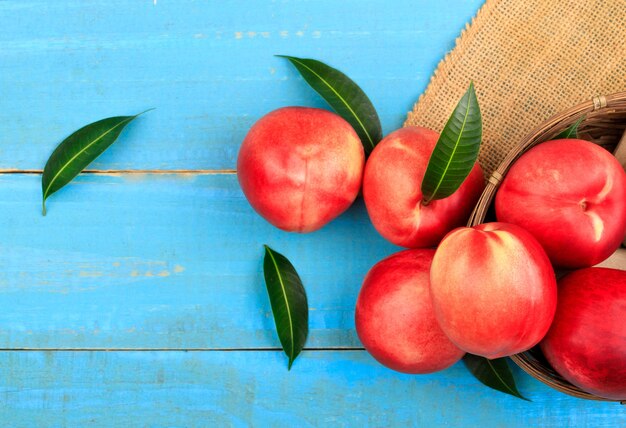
x,y
139,299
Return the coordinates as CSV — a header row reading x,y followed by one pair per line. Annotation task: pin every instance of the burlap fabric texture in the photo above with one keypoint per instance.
x,y
529,59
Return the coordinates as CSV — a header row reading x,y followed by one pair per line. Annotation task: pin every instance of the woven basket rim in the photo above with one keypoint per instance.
x,y
599,106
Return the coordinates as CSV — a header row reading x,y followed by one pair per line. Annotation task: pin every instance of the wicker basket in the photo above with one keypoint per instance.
x,y
604,124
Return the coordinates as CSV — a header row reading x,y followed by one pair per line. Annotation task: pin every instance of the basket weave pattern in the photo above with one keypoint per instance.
x,y
604,124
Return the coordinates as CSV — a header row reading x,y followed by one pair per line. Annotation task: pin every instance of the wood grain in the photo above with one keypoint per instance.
x,y
165,261
243,388
168,262
208,68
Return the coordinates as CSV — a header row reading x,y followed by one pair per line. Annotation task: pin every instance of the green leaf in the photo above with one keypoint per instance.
x,y
572,131
78,150
289,302
456,151
494,373
344,96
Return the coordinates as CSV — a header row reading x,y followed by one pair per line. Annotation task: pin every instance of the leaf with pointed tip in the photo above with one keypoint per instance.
x,y
456,150
344,96
494,373
78,150
289,302
572,131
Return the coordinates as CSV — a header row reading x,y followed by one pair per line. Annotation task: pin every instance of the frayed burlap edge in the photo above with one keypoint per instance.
x,y
544,57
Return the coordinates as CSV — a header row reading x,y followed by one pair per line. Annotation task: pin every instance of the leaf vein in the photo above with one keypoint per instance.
x,y
371,142
45,194
282,285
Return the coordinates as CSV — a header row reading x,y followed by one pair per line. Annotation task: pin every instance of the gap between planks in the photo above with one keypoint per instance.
x,y
130,171
155,171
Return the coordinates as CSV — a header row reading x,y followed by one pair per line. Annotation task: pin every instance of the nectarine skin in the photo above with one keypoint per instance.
x,y
493,289
392,191
300,167
395,319
571,195
587,341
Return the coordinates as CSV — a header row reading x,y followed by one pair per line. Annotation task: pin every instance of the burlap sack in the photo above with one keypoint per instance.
x,y
529,59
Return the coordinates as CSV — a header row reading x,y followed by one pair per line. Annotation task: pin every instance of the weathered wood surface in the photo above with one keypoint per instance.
x,y
165,261
101,301
324,388
207,67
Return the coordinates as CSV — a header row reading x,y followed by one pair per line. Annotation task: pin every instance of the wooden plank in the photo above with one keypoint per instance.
x,y
208,68
165,261
242,388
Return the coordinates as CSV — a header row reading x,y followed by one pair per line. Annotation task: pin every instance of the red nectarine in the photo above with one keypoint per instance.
x,y
300,167
395,319
392,191
587,341
571,195
493,289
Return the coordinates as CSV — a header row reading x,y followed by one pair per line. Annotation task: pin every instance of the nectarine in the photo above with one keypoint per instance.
x,y
571,195
392,191
395,319
300,167
493,289
587,341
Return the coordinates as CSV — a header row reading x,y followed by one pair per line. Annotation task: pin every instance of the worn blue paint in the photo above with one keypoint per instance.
x,y
324,388
207,67
172,262
165,261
